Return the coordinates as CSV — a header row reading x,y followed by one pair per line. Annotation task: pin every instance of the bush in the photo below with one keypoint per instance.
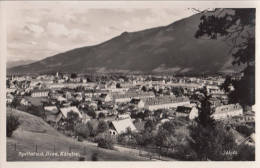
x,y
12,123
245,130
102,126
92,126
94,157
245,153
82,130
105,140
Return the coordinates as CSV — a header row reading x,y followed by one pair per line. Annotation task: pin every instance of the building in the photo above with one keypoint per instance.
x,y
9,98
121,126
227,111
123,116
40,93
214,102
105,112
139,103
165,102
52,109
189,112
128,96
65,110
105,98
25,102
51,114
214,89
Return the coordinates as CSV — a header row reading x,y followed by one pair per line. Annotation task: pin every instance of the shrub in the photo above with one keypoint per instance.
x,y
12,123
82,130
105,140
245,153
94,157
102,126
92,126
245,130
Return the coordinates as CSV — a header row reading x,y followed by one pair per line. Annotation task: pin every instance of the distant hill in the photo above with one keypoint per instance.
x,y
11,64
171,48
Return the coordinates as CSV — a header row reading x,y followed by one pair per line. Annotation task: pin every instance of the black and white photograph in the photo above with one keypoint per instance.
x,y
129,81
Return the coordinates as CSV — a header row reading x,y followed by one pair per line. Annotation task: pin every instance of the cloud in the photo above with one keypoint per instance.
x,y
56,29
34,29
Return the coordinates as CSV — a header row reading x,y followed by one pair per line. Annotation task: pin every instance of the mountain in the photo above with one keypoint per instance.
x,y
11,64
171,48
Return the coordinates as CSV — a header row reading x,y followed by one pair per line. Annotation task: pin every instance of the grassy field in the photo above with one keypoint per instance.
x,y
33,132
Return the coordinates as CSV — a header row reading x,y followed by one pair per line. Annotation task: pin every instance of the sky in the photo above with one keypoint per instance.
x,y
39,30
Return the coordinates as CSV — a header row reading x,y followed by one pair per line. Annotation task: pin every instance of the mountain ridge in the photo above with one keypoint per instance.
x,y
171,48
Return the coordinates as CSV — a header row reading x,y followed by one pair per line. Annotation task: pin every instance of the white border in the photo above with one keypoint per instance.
x,y
124,4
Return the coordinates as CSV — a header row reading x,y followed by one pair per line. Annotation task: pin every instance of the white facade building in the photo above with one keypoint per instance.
x,y
165,102
226,111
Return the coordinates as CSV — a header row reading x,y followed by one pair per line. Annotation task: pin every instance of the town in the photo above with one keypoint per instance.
x,y
130,110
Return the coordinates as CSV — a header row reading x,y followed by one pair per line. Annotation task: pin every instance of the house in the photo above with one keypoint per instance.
x,y
61,99
25,102
161,122
9,99
85,118
139,103
214,102
249,140
128,96
52,114
121,126
105,112
123,116
105,98
190,112
65,110
93,104
165,102
40,93
79,97
52,109
226,111
214,89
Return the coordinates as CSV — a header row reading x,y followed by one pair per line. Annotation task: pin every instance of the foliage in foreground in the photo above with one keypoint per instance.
x,y
12,123
105,140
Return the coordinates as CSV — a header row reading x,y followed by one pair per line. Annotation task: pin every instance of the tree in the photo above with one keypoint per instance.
x,y
15,103
105,140
245,153
209,138
164,139
73,75
90,112
145,139
102,126
92,126
144,88
166,135
149,125
82,130
71,120
211,143
147,113
205,113
226,85
178,91
12,123
237,28
101,115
